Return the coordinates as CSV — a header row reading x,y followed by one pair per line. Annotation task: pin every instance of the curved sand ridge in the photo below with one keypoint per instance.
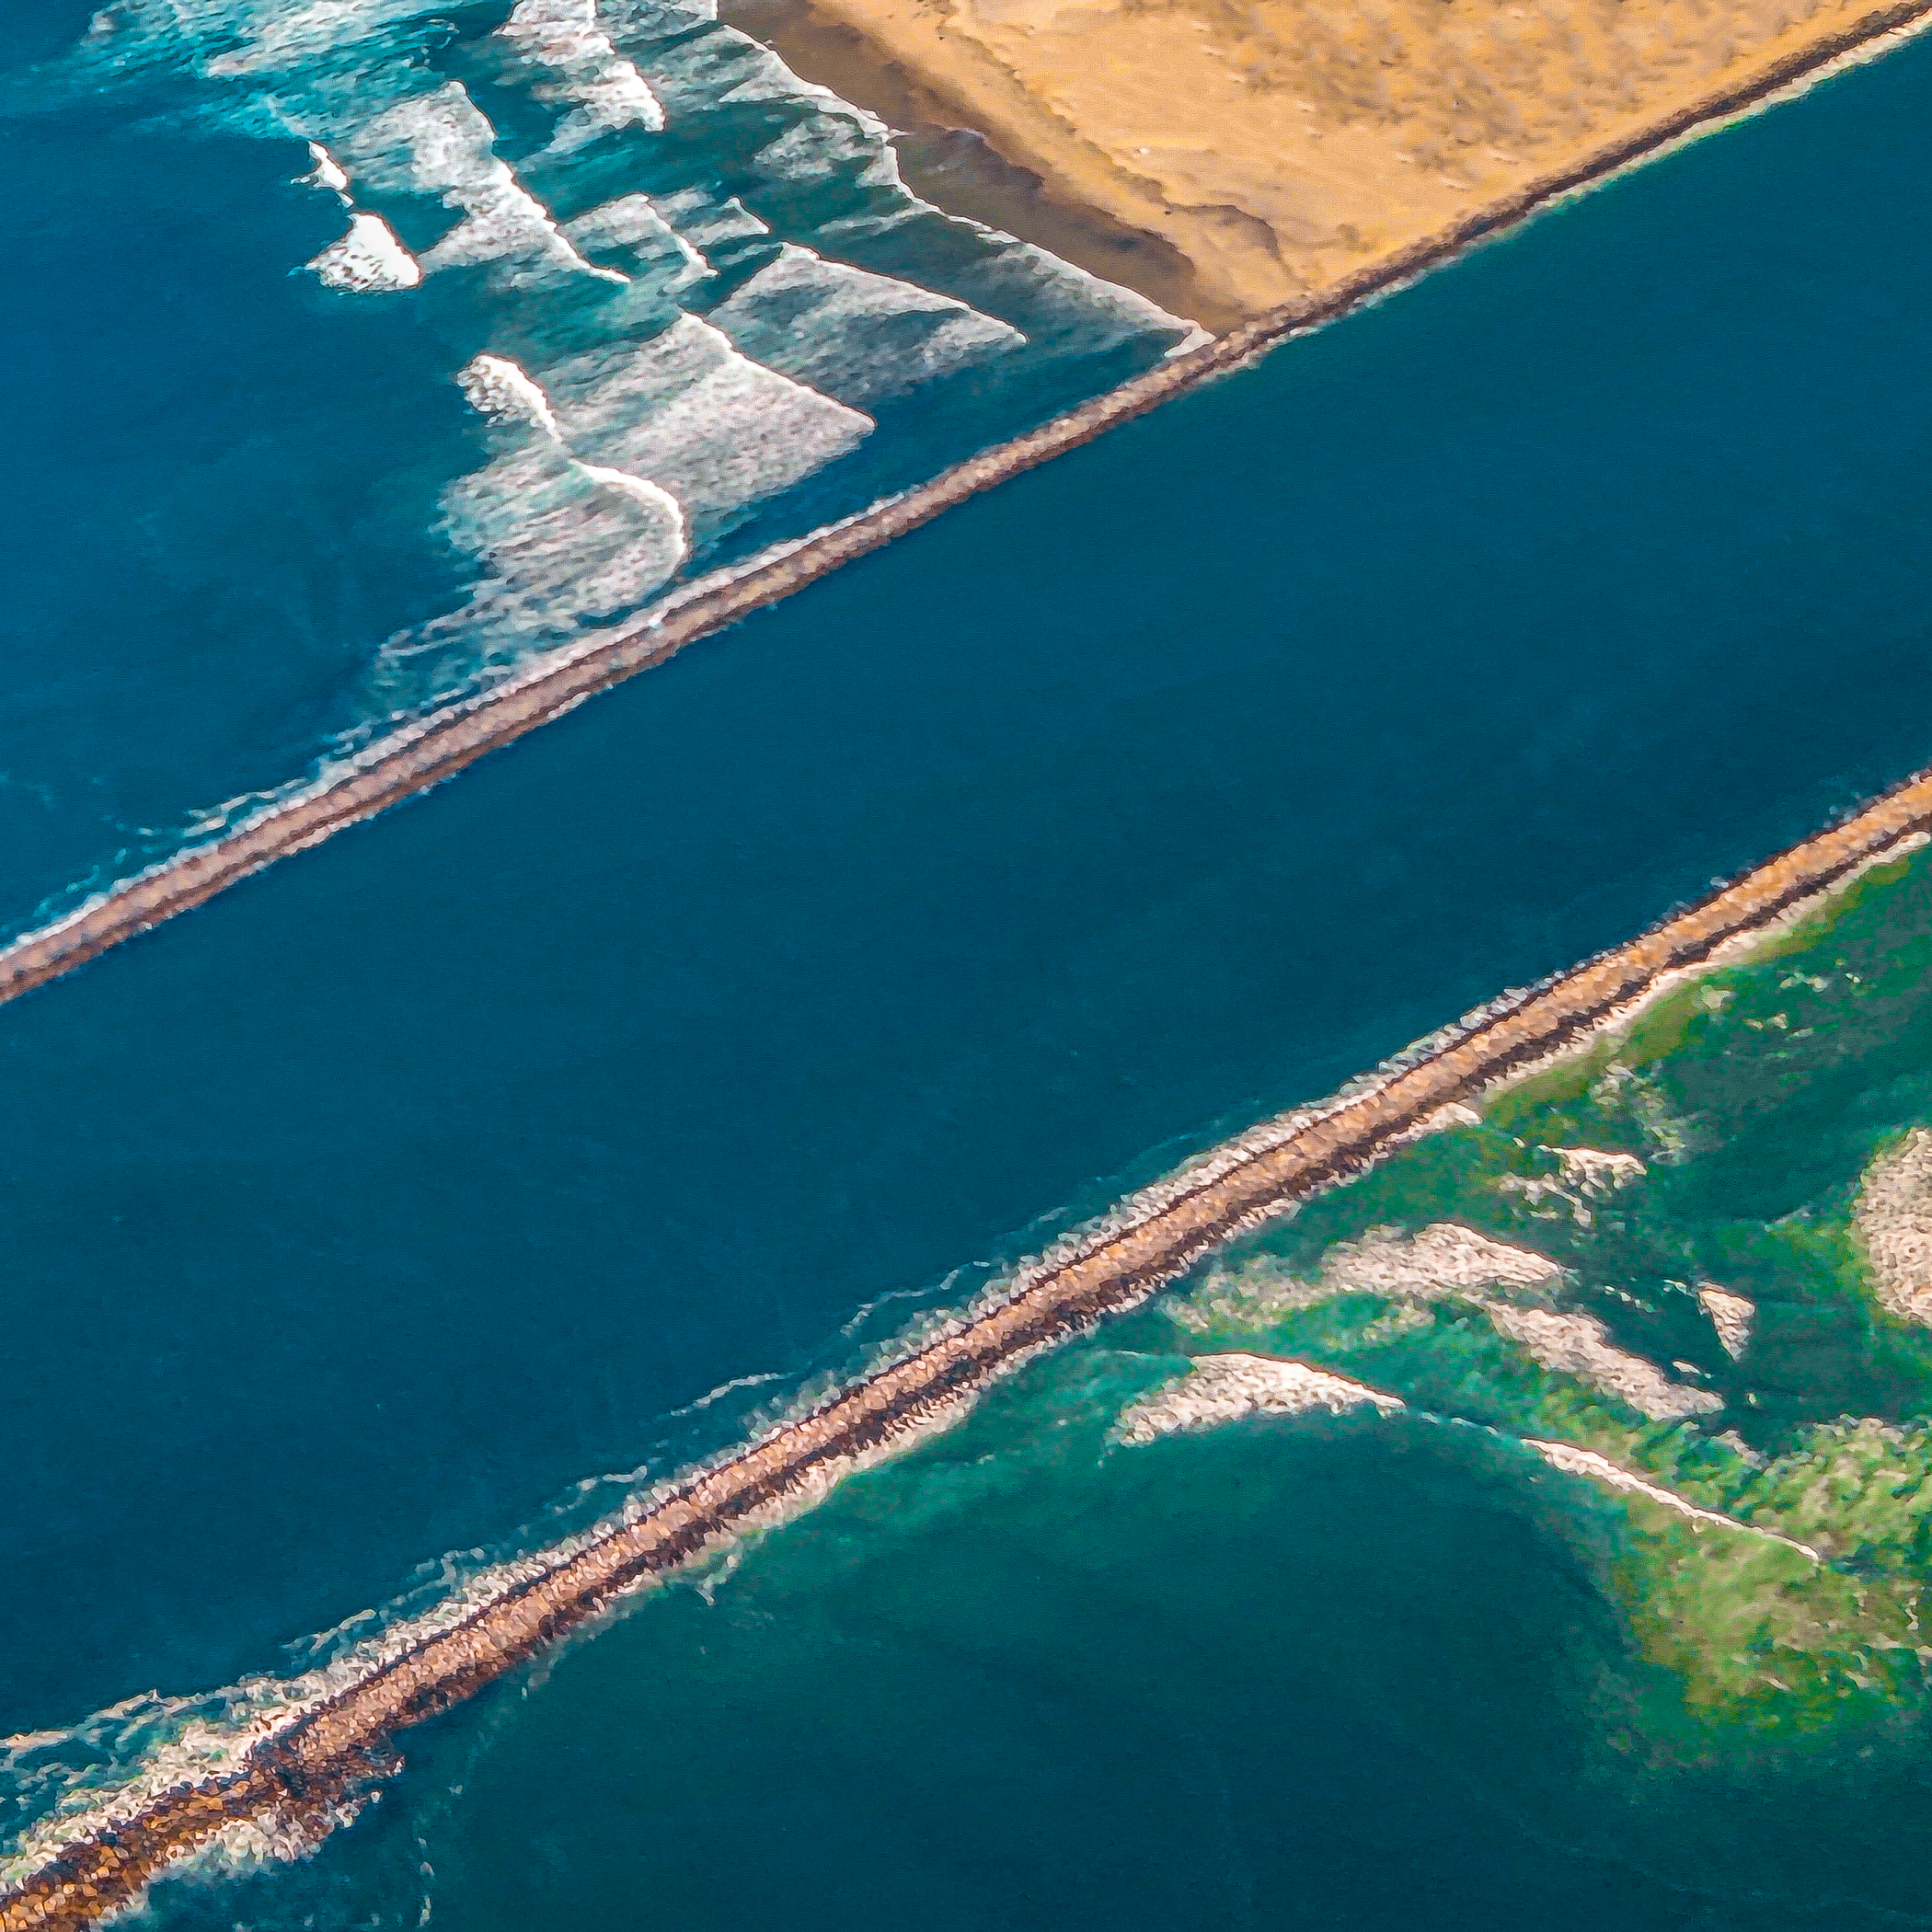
x,y
299,1778
440,746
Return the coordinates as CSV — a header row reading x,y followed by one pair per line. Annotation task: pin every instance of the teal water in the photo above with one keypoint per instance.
x,y
360,1214
1301,1673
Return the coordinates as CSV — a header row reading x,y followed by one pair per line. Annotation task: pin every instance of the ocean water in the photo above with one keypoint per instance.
x,y
295,481
1303,1673
360,1216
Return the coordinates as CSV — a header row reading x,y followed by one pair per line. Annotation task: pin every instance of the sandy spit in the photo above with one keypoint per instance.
x,y
1279,146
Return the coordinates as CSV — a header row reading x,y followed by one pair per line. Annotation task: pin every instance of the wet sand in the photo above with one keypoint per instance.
x,y
951,161
298,1779
440,745
1277,148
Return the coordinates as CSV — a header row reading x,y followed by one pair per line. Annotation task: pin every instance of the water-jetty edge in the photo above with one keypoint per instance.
x,y
436,747
297,1778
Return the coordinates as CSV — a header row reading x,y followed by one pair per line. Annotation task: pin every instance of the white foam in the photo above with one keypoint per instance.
x,y
152,1744
769,78
654,19
860,337
1219,1389
700,218
840,142
605,91
631,224
1573,1461
716,428
1080,311
367,260
1578,1345
567,542
1731,1315
278,39
1584,1175
565,546
724,1389
547,539
501,389
1441,1259
326,173
1050,301
647,495
1597,1172
441,143
1447,1261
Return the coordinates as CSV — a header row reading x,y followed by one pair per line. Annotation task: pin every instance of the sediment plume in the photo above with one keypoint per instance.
x,y
309,1770
437,747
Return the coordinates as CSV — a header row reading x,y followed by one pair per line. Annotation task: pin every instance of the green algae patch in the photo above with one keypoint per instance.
x,y
1650,1254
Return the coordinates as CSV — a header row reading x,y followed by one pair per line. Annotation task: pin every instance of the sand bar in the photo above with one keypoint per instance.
x,y
298,1779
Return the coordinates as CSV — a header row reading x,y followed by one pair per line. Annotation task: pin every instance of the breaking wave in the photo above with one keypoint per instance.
x,y
742,323
59,1784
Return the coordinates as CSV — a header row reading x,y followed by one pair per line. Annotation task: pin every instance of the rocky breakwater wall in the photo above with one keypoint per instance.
x,y
299,1778
439,746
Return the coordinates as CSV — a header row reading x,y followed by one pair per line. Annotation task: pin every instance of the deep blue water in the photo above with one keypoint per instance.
x,y
232,547
354,1216
221,485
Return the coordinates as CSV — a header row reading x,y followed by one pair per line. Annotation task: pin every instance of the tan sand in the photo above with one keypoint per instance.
x,y
1284,145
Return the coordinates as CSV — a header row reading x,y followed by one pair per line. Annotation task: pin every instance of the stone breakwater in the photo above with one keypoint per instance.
x,y
296,1780
439,746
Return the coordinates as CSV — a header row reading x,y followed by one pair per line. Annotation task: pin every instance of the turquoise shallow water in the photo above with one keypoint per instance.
x,y
360,1214
1305,1673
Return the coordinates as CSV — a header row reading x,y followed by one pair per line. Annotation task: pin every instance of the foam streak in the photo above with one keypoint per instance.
x,y
306,1773
441,744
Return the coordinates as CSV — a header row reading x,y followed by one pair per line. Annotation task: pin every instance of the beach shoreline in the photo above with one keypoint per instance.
x,y
1270,154
945,157
427,751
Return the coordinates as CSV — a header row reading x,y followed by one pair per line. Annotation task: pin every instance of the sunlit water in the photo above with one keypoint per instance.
x,y
443,339
364,1213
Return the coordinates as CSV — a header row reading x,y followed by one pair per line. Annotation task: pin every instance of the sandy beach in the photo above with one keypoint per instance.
x,y
1268,151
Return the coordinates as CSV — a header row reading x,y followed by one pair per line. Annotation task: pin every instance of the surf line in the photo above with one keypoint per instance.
x,y
436,747
310,1770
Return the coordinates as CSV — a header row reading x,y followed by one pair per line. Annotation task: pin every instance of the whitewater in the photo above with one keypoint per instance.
x,y
524,412
677,398
693,308
301,1759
